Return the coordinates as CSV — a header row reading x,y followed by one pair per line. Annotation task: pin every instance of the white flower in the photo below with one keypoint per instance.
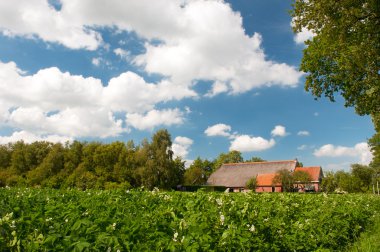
x,y
252,228
222,219
175,236
114,226
219,202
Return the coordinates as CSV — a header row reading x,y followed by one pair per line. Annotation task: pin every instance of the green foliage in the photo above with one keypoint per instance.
x,y
285,179
344,55
137,220
92,165
374,143
360,179
226,158
255,159
329,183
251,183
198,172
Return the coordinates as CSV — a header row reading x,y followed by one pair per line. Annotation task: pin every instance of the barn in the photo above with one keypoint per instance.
x,y
236,175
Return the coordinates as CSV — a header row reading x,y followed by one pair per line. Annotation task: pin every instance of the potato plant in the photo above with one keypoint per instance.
x,y
139,220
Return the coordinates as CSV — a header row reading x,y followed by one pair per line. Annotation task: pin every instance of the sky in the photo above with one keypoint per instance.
x,y
219,75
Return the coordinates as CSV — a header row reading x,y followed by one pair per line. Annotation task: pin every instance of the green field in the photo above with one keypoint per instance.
x,y
138,220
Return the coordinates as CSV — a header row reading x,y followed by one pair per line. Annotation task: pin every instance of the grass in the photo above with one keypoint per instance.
x,y
369,241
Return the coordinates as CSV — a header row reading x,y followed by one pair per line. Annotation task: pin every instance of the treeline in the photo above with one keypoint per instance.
x,y
99,165
361,178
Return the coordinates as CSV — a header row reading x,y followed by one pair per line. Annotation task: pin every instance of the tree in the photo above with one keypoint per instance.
x,y
374,143
251,183
255,159
301,178
160,170
363,175
285,178
5,157
344,54
198,172
227,158
49,167
344,181
329,183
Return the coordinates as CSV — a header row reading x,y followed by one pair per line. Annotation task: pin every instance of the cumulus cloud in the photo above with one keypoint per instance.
x,y
191,44
279,130
304,35
28,137
245,143
203,51
153,118
36,18
130,92
181,146
51,102
303,133
219,129
361,151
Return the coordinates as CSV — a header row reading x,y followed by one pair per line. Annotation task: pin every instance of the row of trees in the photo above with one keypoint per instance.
x,y
361,178
99,165
92,165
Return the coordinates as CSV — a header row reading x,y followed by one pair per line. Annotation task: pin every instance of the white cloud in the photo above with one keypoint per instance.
x,y
155,118
219,129
181,146
204,51
279,130
245,143
35,18
303,133
123,54
96,61
52,102
130,92
28,137
73,122
192,46
217,88
304,35
360,151
302,147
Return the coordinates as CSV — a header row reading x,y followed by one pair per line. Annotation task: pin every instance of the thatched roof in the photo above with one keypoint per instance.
x,y
237,175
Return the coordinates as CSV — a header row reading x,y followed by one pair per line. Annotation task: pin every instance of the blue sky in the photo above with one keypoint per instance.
x,y
219,75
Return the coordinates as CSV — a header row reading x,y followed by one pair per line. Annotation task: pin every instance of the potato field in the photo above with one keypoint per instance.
x,y
139,220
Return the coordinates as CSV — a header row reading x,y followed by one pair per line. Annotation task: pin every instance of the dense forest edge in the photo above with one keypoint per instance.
x,y
150,164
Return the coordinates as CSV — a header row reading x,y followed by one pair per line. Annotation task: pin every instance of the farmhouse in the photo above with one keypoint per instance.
x,y
235,176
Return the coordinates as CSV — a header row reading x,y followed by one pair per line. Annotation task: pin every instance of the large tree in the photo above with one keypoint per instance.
x,y
227,158
344,55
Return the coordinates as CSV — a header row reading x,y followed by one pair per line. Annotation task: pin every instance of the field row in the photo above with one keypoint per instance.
x,y
72,220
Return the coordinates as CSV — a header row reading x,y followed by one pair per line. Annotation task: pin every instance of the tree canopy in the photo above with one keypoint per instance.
x,y
344,55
